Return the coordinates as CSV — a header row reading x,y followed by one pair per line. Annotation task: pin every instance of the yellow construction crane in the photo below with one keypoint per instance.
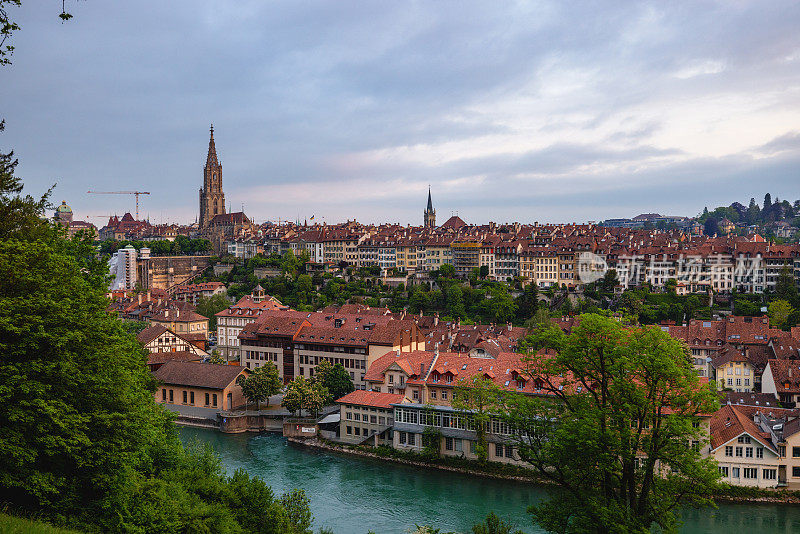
x,y
137,193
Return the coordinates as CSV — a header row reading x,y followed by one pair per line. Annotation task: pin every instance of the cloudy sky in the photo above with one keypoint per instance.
x,y
511,111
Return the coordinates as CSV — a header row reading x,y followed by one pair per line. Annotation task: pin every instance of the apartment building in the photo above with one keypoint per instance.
x,y
230,322
192,293
297,342
466,256
367,417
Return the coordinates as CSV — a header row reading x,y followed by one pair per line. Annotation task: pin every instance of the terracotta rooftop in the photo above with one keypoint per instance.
x,y
371,398
200,375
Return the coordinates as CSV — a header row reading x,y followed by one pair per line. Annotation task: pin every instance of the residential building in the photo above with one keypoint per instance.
x,y
230,322
367,417
204,385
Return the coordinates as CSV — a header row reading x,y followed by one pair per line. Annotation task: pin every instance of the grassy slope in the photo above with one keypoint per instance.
x,y
18,525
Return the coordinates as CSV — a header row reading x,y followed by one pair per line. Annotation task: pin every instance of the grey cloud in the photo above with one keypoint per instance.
x,y
122,96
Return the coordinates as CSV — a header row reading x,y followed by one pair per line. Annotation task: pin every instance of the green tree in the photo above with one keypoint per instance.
x,y
297,506
612,433
215,358
261,384
779,312
211,306
315,397
292,398
494,525
479,397
334,378
447,271
785,287
527,302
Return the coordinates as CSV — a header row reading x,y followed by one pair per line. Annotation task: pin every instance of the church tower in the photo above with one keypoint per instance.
x,y
212,199
430,213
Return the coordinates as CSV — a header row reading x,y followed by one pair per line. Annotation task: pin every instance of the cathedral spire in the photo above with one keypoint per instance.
x,y
430,204
212,150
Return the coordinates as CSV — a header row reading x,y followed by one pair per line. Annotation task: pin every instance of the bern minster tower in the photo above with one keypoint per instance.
x,y
212,199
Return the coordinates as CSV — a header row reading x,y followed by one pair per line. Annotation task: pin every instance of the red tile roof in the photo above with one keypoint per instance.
x,y
371,398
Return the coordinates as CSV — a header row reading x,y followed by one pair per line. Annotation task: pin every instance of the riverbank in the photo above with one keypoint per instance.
x,y
497,471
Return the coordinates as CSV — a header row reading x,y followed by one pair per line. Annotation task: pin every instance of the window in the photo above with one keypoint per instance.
x,y
191,398
401,438
349,429
769,474
373,419
415,394
739,452
163,395
760,452
358,431
444,395
723,471
795,452
744,439
498,450
729,450
748,452
730,381
171,398
433,393
473,447
796,471
735,472
509,452
214,400
448,444
412,440
750,472
184,396
458,445
348,416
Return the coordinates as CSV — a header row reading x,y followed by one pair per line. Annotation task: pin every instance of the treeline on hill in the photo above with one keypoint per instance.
x,y
181,245
769,212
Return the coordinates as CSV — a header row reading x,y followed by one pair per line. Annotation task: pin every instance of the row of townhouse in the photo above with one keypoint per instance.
x,y
754,442
549,255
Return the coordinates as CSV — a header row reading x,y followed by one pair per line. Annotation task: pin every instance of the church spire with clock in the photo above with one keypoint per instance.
x,y
212,198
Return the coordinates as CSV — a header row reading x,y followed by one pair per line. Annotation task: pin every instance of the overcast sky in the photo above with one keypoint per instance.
x,y
511,111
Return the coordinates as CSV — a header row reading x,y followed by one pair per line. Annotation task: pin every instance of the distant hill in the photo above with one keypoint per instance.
x,y
754,214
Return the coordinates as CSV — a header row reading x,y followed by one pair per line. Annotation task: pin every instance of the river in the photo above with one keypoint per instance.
x,y
353,495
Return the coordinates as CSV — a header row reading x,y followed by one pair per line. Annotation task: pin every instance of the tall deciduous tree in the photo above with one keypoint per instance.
x,y
479,396
335,378
614,433
211,306
261,384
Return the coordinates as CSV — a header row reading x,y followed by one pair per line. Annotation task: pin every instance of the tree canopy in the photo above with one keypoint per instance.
x,y
619,432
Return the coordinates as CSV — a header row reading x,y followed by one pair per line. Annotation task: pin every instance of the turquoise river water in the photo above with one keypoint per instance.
x,y
353,495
